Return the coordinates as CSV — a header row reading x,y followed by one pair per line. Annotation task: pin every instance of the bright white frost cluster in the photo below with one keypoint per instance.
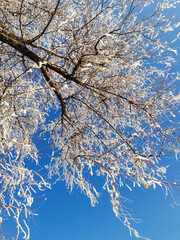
x,y
91,81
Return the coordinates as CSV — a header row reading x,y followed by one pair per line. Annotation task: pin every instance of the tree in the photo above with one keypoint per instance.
x,y
93,81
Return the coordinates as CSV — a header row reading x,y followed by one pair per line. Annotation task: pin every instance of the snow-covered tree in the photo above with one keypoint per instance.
x,y
93,80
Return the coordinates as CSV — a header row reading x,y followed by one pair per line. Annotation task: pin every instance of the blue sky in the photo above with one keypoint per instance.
x,y
65,216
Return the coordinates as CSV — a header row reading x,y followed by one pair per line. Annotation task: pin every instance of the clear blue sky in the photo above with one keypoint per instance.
x,y
67,216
